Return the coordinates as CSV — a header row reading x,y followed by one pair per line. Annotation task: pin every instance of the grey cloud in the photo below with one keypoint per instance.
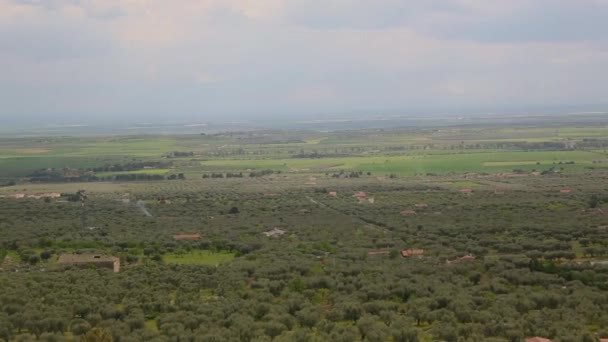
x,y
362,14
529,20
53,41
108,13
545,20
47,34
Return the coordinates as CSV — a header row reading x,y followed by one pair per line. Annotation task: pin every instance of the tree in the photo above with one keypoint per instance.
x,y
33,259
308,317
51,337
593,201
233,210
6,330
352,311
80,327
98,335
46,255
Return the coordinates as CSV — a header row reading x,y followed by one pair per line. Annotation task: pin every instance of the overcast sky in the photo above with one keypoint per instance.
x,y
207,58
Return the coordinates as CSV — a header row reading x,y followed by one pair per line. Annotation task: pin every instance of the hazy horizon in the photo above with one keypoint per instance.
x,y
71,61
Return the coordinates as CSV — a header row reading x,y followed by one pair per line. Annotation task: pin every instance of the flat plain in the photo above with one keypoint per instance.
x,y
300,235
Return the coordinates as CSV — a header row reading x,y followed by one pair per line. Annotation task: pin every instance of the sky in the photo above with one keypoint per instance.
x,y
200,59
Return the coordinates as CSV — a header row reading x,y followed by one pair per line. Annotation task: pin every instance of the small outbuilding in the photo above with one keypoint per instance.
x,y
408,213
412,252
374,253
275,232
360,194
187,236
537,339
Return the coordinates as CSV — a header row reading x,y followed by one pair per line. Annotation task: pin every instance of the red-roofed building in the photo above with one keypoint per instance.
x,y
408,213
360,194
411,252
333,193
187,236
537,339
466,191
372,253
564,191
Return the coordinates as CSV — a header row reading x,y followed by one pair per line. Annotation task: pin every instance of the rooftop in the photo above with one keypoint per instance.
x,y
85,258
537,339
275,232
408,213
411,252
371,253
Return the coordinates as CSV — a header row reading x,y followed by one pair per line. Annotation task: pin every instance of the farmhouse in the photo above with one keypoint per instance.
x,y
360,194
411,252
187,236
466,191
408,213
373,253
333,193
564,191
86,260
275,232
421,205
537,339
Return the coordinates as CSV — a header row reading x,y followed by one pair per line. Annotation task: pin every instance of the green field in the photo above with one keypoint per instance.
x,y
401,152
419,164
198,258
144,171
